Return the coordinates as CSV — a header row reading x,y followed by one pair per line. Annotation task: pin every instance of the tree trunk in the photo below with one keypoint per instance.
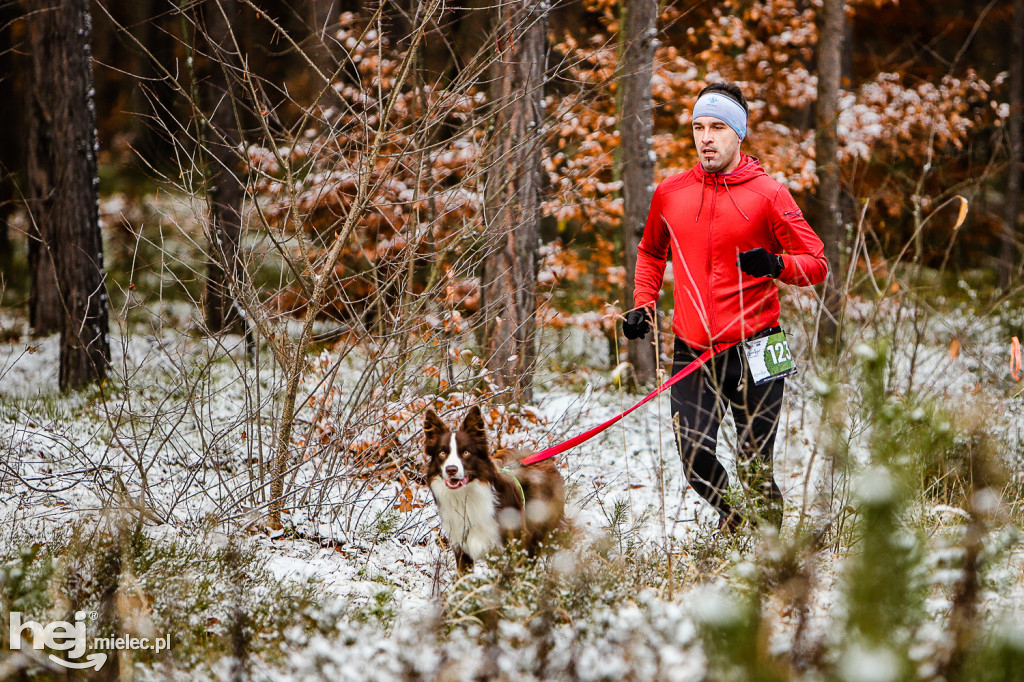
x,y
64,184
470,39
636,126
321,17
225,187
6,247
1007,259
395,23
512,199
826,213
10,85
43,304
149,94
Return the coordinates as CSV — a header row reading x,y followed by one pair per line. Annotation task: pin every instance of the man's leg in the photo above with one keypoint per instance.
x,y
756,411
696,415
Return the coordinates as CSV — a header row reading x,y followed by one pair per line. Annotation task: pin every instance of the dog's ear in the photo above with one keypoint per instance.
x,y
433,427
474,425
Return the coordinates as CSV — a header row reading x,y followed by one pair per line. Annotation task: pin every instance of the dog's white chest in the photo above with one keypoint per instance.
x,y
468,516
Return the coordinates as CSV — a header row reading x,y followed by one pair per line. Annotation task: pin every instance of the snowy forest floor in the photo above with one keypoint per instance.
x,y
141,503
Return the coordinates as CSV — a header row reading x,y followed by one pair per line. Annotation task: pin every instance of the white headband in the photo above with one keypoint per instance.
x,y
724,108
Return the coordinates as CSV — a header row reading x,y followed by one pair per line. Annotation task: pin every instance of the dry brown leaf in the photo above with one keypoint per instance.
x,y
962,216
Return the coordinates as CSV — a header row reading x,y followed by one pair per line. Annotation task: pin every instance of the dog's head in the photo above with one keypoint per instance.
x,y
457,457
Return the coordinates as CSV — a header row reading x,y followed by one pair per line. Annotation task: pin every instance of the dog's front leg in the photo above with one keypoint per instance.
x,y
463,562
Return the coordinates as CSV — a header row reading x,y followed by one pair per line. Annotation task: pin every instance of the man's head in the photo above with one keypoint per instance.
x,y
719,124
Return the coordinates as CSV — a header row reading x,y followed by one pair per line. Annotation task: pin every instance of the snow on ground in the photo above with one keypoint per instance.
x,y
61,466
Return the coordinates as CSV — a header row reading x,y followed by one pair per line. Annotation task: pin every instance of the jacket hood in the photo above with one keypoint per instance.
x,y
748,169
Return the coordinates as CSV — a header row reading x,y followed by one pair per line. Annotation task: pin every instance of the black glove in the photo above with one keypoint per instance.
x,y
760,263
637,324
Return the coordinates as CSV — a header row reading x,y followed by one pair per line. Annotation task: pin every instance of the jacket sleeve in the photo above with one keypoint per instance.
x,y
652,254
803,255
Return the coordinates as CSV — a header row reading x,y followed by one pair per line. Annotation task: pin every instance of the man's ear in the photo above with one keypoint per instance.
x,y
474,425
433,427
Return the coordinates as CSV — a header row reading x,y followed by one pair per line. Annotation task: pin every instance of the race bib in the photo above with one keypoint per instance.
x,y
769,358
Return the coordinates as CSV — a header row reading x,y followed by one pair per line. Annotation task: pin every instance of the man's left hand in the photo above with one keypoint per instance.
x,y
759,263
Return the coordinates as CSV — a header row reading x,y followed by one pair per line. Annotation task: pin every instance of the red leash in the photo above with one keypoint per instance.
x,y
587,435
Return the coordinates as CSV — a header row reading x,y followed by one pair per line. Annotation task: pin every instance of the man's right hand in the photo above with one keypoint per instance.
x,y
637,323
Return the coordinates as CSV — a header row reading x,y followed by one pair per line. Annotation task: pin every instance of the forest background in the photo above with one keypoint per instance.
x,y
245,243
268,112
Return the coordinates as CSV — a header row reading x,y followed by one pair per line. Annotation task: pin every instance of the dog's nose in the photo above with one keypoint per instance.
x,y
452,471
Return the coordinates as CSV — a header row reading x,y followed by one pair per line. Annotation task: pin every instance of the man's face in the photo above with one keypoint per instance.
x,y
717,144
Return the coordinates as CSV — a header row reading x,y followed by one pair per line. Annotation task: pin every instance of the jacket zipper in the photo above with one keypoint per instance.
x,y
713,327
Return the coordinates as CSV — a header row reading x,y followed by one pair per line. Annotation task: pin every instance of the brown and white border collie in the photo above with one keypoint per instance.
x,y
484,501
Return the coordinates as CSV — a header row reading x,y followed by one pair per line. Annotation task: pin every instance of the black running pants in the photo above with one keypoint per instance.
x,y
698,404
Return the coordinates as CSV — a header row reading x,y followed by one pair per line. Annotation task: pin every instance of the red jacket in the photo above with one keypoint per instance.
x,y
708,219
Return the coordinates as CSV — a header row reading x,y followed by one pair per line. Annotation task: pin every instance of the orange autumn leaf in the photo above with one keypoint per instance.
x,y
962,216
1015,358
405,503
